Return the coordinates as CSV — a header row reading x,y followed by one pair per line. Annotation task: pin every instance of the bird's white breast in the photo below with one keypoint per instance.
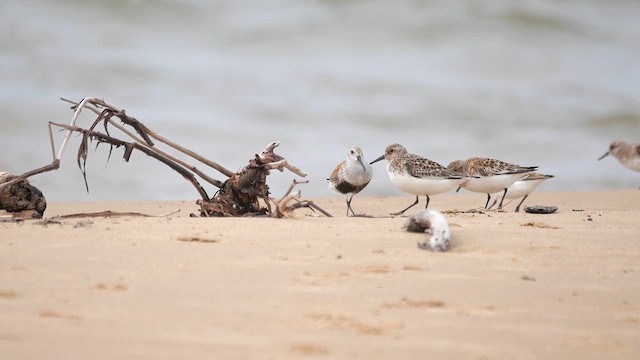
x,y
521,188
422,186
492,184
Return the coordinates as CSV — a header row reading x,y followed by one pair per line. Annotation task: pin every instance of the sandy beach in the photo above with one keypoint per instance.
x,y
513,285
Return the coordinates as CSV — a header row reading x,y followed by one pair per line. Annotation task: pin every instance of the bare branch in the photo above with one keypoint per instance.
x,y
268,156
117,142
146,133
295,170
53,166
283,209
309,204
137,139
293,185
278,165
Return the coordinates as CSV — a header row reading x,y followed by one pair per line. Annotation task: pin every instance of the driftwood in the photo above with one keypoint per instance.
x,y
243,193
109,214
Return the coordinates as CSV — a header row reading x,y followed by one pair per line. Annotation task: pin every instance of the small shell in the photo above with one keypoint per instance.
x,y
433,223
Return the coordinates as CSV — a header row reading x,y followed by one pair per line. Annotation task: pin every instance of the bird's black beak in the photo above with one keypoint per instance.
x,y
459,187
604,156
376,160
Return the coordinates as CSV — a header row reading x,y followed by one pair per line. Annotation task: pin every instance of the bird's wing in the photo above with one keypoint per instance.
x,y
334,174
421,167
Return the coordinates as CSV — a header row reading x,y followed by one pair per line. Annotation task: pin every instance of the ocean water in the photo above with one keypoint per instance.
x,y
547,83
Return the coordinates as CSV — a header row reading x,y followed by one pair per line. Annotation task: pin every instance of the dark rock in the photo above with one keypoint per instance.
x,y
539,209
21,196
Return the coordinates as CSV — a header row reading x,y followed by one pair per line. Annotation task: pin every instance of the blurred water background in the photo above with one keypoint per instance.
x,y
548,83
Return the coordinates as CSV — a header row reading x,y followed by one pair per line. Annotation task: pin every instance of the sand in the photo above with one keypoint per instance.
x,y
513,285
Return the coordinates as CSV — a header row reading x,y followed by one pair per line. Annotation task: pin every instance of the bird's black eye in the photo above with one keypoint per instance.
x,y
353,152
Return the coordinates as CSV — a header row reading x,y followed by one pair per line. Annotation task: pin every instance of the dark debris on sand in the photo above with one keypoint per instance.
x,y
539,209
22,200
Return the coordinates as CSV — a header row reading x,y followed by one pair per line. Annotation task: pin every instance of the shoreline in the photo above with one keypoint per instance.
x,y
513,285
619,199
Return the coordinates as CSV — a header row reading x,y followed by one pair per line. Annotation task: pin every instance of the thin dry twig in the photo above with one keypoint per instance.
x,y
283,209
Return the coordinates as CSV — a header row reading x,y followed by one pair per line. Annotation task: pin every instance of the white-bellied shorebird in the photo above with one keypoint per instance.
x,y
418,176
523,187
351,176
491,175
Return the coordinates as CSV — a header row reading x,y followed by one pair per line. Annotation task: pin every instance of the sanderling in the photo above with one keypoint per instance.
x,y
351,176
523,187
418,176
627,154
493,175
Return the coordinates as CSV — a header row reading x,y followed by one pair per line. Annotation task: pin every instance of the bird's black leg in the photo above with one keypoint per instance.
x,y
518,207
488,198
427,202
410,206
495,201
349,205
501,200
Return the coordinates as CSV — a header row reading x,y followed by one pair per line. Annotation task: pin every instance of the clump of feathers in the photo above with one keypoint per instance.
x,y
434,224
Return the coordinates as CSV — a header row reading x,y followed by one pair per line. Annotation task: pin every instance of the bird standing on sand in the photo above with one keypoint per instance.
x,y
524,187
492,175
351,176
627,154
417,175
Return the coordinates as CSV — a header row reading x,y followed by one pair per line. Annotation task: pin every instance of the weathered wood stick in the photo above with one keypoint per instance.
x,y
53,166
142,128
129,146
